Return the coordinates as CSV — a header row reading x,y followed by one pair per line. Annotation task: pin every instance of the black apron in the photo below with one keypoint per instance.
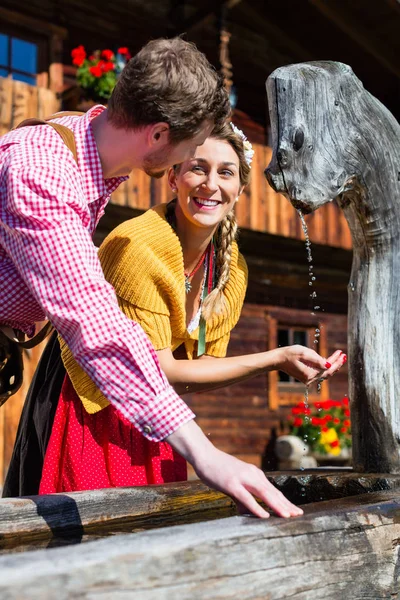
x,y
36,423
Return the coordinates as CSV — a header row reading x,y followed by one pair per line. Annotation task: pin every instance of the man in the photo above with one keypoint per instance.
x,y
165,103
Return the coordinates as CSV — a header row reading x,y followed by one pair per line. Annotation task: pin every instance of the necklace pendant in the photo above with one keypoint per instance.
x,y
188,285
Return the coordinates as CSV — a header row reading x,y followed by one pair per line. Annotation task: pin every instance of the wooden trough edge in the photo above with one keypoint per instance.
x,y
99,512
345,548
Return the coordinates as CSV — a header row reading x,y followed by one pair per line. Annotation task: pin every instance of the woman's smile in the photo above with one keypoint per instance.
x,y
205,203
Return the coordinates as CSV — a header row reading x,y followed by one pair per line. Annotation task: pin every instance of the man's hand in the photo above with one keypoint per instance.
x,y
229,475
242,482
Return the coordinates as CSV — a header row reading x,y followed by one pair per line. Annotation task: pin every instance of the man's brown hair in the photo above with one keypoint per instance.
x,y
169,81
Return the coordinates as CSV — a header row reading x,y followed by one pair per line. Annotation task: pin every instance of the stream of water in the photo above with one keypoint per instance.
x,y
314,304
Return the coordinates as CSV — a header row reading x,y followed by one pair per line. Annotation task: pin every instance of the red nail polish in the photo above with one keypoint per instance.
x,y
327,365
344,357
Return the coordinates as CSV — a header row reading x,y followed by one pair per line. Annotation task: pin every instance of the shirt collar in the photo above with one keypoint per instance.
x,y
95,186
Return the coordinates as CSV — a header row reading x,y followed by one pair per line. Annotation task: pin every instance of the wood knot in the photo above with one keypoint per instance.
x,y
282,157
298,140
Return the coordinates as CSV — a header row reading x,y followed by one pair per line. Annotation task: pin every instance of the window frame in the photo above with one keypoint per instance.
x,y
49,40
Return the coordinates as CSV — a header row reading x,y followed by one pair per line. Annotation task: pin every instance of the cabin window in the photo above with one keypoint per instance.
x,y
18,58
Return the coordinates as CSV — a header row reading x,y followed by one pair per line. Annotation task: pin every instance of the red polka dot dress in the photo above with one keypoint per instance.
x,y
102,450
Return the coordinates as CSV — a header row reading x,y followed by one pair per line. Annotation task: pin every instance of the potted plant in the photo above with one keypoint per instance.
x,y
324,426
98,72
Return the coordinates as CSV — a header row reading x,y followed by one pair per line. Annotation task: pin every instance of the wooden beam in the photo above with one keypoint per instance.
x,y
344,548
332,139
252,19
355,30
24,521
36,25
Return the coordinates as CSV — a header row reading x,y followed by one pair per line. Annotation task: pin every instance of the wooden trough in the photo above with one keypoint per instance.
x,y
346,543
346,548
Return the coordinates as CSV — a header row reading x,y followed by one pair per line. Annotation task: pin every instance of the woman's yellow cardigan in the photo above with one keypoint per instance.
x,y
142,259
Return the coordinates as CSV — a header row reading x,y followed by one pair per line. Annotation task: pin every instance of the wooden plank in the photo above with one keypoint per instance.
x,y
237,557
6,104
103,511
48,103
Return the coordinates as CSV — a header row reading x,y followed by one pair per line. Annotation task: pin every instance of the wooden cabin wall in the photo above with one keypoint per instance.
x,y
240,418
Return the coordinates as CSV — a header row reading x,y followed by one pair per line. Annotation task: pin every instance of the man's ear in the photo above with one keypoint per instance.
x,y
158,135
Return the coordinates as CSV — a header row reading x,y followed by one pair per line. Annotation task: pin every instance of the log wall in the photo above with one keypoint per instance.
x,y
242,418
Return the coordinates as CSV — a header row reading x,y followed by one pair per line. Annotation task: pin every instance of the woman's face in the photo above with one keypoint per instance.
x,y
208,184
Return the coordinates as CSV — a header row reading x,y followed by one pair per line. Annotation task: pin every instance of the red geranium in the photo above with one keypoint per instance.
x,y
96,71
78,55
98,74
329,417
107,54
124,52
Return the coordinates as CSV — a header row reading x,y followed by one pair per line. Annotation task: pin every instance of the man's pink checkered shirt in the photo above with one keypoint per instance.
x,y
49,208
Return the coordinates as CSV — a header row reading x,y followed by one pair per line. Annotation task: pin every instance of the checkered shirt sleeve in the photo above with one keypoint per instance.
x,y
45,229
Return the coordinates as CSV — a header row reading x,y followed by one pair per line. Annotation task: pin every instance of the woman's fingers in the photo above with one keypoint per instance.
x,y
337,360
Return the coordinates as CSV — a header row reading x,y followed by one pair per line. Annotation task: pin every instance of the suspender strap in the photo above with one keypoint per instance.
x,y
64,132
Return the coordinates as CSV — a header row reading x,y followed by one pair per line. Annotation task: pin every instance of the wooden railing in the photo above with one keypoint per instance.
x,y
19,101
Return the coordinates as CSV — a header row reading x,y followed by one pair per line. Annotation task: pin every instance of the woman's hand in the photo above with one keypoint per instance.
x,y
306,365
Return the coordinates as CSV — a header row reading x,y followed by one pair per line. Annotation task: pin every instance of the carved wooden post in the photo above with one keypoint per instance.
x,y
332,139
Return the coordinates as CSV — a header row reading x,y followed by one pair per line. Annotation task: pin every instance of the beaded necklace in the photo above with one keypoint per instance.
x,y
189,276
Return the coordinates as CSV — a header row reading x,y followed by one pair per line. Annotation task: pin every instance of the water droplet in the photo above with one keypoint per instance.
x,y
310,283
313,278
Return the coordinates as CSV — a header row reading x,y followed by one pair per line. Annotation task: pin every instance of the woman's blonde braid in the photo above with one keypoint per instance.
x,y
215,301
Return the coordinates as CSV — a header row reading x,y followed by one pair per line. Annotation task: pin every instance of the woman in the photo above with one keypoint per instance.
x,y
177,271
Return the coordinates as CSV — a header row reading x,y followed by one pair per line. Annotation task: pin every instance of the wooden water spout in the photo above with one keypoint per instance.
x,y
333,140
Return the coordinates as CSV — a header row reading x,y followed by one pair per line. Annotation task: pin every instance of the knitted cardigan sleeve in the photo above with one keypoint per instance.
x,y
219,347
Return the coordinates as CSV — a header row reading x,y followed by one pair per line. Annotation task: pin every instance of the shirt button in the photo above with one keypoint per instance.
x,y
147,429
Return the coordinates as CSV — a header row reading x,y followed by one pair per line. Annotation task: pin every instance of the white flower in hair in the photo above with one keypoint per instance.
x,y
247,147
